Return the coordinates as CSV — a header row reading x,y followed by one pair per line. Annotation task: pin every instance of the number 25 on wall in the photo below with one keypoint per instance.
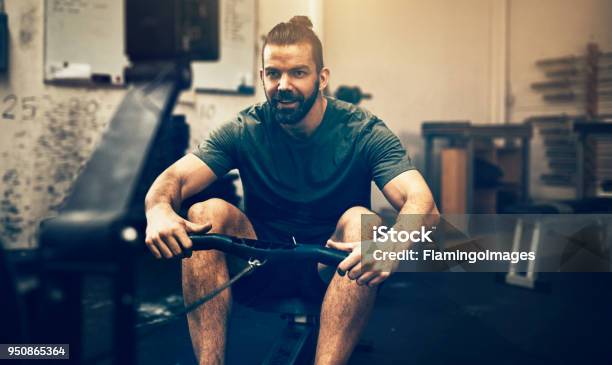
x,y
28,107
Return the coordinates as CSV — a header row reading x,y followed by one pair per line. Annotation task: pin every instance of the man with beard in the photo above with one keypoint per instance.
x,y
306,162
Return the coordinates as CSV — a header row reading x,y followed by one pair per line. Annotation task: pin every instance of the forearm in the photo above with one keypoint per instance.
x,y
165,191
417,212
419,205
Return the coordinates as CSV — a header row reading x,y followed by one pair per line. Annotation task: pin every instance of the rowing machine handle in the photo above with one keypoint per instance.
x,y
263,250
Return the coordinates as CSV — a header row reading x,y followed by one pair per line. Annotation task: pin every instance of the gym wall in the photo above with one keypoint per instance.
x,y
421,60
456,60
47,132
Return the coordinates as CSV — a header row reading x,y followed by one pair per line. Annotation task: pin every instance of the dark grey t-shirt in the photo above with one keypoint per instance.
x,y
304,186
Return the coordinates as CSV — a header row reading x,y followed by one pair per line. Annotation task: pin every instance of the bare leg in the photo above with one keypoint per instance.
x,y
206,271
347,306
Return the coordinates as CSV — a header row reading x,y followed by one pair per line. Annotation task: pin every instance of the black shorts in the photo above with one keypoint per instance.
x,y
277,280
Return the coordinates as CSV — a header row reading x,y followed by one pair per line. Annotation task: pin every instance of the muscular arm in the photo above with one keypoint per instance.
x,y
183,179
166,233
409,194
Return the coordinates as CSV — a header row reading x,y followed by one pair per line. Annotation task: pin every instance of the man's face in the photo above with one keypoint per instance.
x,y
290,80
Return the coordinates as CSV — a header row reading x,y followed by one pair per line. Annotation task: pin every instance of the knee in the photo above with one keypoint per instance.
x,y
224,217
354,216
356,223
213,210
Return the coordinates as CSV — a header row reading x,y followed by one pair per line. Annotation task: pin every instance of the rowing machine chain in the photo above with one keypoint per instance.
x,y
253,264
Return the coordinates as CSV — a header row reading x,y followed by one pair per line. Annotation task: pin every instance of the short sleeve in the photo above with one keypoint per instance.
x,y
219,150
385,155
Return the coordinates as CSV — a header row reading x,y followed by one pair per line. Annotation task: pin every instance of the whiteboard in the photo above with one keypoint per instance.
x,y
84,41
235,71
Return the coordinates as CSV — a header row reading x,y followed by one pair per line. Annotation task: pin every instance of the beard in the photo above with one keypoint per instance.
x,y
291,115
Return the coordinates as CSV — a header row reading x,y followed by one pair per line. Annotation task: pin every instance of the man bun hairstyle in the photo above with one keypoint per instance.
x,y
301,20
297,30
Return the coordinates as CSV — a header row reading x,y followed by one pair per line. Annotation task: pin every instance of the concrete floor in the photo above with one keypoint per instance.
x,y
427,318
